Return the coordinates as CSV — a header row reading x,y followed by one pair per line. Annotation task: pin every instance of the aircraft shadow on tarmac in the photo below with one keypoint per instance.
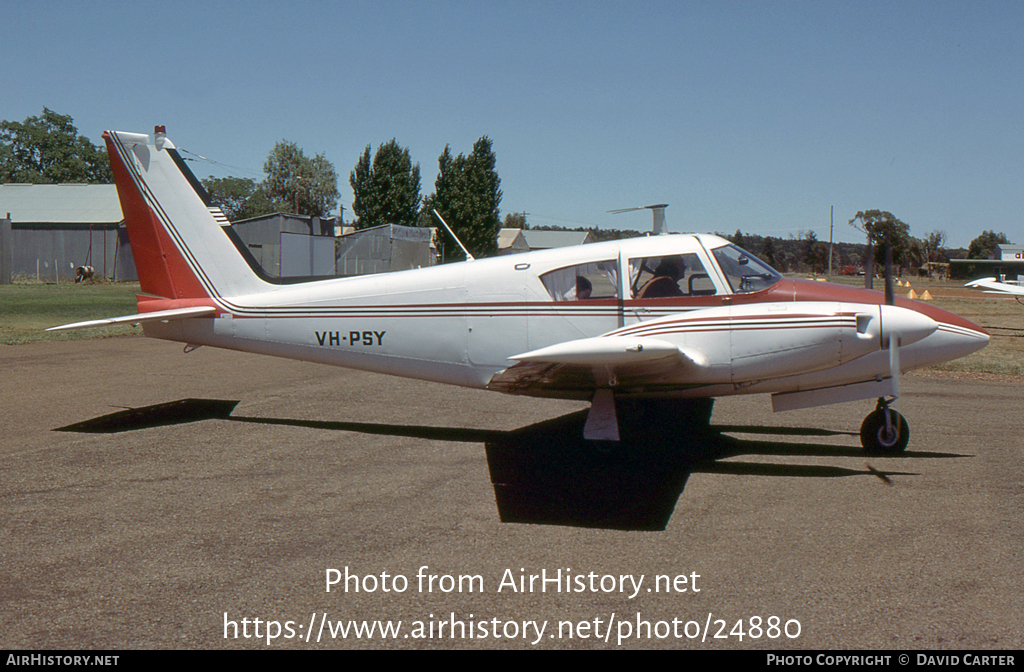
x,y
546,473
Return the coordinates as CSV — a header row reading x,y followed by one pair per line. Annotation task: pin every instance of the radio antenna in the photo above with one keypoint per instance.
x,y
469,257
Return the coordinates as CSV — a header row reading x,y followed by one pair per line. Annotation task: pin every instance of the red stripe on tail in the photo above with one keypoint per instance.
x,y
161,268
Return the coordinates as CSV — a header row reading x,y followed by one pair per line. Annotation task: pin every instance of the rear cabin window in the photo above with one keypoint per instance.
x,y
672,275
598,280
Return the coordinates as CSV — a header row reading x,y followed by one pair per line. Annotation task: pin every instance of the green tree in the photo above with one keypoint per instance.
x,y
768,252
934,246
879,226
815,252
385,190
238,197
48,150
986,245
516,220
299,184
467,193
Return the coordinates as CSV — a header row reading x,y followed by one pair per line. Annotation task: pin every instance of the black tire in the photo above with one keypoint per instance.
x,y
875,437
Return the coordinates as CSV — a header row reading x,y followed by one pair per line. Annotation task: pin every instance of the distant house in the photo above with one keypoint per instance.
x,y
1011,252
56,228
513,241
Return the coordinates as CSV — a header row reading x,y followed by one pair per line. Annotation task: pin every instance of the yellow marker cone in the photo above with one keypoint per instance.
x,y
911,294
926,296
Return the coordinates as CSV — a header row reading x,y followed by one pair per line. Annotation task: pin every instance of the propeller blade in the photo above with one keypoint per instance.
x,y
890,297
894,364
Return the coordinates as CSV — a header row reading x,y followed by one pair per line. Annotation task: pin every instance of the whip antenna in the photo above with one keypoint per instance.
x,y
469,257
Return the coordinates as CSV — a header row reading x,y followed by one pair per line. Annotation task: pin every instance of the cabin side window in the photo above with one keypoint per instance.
x,y
597,280
672,275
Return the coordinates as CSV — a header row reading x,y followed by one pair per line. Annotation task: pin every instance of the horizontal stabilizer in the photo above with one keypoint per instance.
x,y
156,316
606,351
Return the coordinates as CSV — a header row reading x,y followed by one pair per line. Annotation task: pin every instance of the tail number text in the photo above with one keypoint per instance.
x,y
339,338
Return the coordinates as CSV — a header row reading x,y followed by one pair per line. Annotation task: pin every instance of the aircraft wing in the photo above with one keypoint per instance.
x,y
991,286
585,364
155,316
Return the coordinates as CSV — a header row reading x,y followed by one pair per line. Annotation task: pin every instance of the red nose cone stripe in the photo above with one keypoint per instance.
x,y
806,290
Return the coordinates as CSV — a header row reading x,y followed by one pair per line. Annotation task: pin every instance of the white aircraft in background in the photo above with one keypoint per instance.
x,y
992,286
668,317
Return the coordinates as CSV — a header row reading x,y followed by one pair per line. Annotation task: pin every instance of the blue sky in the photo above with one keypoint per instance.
x,y
756,116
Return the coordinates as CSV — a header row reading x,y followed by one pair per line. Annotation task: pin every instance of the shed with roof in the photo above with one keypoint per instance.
x,y
55,228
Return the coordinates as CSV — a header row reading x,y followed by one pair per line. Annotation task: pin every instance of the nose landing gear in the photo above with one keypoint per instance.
x,y
884,431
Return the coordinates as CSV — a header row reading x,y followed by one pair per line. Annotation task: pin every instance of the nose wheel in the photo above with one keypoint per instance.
x,y
884,430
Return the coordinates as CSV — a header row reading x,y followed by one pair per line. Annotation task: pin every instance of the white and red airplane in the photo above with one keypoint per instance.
x,y
654,318
993,286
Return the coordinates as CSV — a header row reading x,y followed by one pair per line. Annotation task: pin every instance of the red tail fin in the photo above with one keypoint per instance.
x,y
162,269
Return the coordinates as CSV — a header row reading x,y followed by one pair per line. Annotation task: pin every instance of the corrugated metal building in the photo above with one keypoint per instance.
x,y
294,246
381,249
57,227
307,244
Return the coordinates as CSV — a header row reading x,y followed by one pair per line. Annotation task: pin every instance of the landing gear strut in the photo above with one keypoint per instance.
x,y
884,430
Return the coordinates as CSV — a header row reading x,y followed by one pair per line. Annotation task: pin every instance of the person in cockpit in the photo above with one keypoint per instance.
x,y
666,279
584,288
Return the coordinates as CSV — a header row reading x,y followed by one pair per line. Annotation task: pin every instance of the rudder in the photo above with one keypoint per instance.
x,y
179,248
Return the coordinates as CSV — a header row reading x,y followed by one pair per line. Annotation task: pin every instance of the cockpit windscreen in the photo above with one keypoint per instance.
x,y
745,272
